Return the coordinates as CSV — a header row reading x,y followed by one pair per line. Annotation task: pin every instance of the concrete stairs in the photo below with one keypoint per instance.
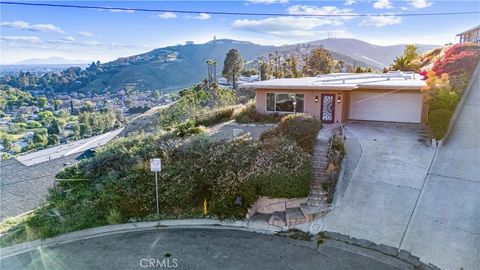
x,y
317,204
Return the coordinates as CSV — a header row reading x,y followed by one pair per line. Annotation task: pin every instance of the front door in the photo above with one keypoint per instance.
x,y
327,110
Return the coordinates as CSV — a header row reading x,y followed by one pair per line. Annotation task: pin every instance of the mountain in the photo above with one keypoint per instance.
x,y
180,66
50,61
172,67
375,55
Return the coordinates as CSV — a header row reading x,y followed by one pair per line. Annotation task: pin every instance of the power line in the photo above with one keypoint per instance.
x,y
240,13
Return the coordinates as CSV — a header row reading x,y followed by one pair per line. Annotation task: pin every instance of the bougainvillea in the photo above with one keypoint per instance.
x,y
457,59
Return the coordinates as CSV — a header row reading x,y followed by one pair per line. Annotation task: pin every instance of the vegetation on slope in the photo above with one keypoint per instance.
x,y
116,185
447,72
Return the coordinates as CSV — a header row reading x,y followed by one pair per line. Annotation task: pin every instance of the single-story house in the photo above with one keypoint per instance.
x,y
338,97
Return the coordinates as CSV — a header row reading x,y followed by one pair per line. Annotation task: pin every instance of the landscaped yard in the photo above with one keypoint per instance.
x,y
447,76
116,185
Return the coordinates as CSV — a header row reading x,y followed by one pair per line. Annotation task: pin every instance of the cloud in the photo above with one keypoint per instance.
x,y
380,21
420,3
69,39
90,43
202,16
267,2
121,10
24,39
167,15
295,26
22,25
314,10
382,4
350,2
85,34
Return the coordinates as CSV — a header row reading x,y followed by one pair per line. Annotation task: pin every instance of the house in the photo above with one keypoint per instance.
x,y
471,35
391,97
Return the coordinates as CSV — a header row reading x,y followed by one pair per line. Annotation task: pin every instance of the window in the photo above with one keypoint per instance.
x,y
283,102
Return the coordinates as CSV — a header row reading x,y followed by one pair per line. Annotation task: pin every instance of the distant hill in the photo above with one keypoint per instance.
x,y
171,67
180,66
49,61
375,55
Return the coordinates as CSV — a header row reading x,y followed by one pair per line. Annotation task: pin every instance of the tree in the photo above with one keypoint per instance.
x,y
400,63
156,94
407,60
40,136
319,61
56,104
42,102
232,67
55,127
85,129
53,139
264,71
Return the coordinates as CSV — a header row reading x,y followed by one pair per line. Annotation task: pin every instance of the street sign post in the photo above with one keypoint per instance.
x,y
156,166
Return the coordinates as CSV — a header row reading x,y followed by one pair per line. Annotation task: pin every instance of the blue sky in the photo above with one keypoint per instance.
x,y
41,32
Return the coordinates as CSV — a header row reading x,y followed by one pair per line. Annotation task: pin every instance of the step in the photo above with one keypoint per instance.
x,y
278,219
311,210
294,216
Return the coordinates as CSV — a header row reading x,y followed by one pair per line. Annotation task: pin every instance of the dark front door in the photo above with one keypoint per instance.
x,y
327,110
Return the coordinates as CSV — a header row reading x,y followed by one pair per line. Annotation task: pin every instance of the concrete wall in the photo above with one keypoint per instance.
x,y
311,107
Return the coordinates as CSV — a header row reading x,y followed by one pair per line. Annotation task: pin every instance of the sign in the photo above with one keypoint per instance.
x,y
155,165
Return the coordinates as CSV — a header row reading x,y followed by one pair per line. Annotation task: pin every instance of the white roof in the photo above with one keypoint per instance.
x,y
346,81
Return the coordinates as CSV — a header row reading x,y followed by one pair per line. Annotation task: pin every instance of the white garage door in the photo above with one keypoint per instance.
x,y
386,106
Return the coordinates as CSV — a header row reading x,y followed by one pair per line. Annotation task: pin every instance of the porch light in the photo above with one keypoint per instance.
x,y
316,99
339,99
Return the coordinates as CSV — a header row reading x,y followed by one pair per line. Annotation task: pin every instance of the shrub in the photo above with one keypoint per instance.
x,y
214,117
458,59
114,217
188,128
250,115
300,128
438,121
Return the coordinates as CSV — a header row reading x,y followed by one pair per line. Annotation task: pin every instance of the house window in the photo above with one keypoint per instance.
x,y
283,102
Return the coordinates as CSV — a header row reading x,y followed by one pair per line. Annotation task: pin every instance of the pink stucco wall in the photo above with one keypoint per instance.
x,y
311,107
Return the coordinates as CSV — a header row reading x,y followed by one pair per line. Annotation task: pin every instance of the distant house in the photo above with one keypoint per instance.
x,y
339,97
471,35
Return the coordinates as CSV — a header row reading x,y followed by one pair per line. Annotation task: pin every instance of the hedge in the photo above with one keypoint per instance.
x,y
438,121
300,128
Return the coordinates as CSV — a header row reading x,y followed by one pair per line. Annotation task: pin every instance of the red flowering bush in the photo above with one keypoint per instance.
x,y
458,59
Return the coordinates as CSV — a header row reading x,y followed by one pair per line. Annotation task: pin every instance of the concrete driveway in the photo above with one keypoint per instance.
x,y
445,228
385,184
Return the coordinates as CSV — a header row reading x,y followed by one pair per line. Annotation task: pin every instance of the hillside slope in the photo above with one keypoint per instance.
x,y
180,66
378,56
171,67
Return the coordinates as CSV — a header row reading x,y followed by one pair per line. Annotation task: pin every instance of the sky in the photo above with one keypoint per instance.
x,y
89,35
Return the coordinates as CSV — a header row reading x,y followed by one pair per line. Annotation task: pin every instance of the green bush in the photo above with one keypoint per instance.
x,y
114,217
188,128
214,117
300,128
250,115
438,121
